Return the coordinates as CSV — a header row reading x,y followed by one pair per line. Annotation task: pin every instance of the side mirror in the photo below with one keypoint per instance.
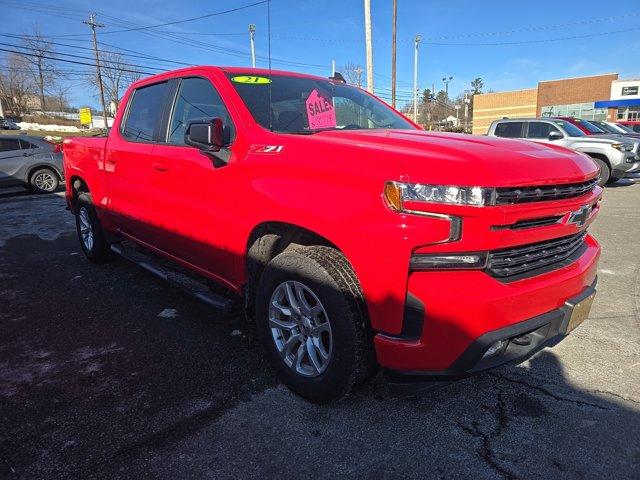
x,y
555,136
206,135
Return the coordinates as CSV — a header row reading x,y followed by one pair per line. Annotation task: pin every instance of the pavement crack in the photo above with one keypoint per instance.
x,y
549,393
485,452
613,394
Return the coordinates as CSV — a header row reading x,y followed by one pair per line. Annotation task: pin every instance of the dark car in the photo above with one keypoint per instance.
x,y
30,161
8,124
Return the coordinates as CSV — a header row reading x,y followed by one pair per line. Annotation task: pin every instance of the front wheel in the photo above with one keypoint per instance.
x,y
312,323
605,171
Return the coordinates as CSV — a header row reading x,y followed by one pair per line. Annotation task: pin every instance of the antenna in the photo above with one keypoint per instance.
x,y
270,76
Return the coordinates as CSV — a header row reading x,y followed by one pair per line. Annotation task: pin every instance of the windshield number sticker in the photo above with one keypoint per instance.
x,y
320,111
251,80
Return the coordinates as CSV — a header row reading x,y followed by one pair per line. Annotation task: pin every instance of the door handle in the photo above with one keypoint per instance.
x,y
160,166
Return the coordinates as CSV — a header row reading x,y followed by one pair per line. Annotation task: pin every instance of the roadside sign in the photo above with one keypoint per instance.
x,y
85,116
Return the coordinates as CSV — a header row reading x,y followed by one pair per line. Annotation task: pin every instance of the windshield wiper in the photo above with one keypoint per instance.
x,y
303,132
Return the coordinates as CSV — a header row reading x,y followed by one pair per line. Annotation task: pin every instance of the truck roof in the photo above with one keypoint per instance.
x,y
225,70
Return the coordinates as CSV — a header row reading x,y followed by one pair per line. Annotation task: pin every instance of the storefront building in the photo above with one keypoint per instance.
x,y
624,100
576,97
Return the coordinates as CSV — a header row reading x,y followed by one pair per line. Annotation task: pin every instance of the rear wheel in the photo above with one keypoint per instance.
x,y
90,232
44,180
312,323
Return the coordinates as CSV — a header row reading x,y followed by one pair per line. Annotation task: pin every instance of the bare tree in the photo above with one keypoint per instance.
x,y
352,73
39,55
16,84
116,77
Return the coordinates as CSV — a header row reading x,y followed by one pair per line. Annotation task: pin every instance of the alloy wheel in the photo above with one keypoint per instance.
x,y
86,230
300,329
45,181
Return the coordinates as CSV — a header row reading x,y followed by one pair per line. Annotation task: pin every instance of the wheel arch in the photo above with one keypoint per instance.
x,y
77,186
40,166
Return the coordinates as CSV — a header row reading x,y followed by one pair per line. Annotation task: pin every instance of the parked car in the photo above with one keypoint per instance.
x,y
633,125
615,156
8,124
354,238
30,161
614,128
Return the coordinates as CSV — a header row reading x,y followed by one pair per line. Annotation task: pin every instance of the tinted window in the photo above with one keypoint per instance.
x,y
509,129
636,128
8,144
144,112
589,127
306,105
197,99
26,145
540,130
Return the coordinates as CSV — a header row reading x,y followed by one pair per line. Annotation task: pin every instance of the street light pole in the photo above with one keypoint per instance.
x,y
446,81
393,53
369,45
415,79
252,32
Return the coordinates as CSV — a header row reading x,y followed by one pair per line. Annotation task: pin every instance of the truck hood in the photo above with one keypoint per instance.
x,y
468,160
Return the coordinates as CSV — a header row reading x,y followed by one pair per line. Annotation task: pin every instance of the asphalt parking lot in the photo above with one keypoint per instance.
x,y
106,372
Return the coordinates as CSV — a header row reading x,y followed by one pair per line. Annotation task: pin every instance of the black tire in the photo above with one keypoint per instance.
x,y
44,180
97,250
612,180
326,272
605,171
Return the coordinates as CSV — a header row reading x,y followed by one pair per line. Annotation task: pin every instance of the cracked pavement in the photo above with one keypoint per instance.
x,y
98,381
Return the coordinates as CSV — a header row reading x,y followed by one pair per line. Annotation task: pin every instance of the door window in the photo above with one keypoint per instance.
x,y
144,111
9,144
197,100
509,129
27,145
540,130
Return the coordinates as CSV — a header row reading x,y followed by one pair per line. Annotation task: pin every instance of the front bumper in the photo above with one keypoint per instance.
x,y
460,310
518,342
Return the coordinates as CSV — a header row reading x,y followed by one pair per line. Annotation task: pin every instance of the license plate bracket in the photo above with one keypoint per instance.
x,y
579,313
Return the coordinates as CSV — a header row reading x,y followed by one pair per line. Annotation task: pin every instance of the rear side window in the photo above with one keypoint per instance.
x,y
197,100
540,130
636,128
509,129
26,145
144,112
9,144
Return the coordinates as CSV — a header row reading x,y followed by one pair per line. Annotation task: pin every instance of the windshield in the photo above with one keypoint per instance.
x,y
590,127
624,128
570,128
606,127
308,105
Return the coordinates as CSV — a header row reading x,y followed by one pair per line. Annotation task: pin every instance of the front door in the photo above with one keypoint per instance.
x,y
197,195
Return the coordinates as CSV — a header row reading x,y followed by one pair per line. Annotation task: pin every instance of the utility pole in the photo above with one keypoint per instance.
x,y
466,109
333,68
393,53
415,79
92,23
369,46
446,81
252,33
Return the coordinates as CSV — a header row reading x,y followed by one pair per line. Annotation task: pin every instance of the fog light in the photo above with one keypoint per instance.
x,y
494,348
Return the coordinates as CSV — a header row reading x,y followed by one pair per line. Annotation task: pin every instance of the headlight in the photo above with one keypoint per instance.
x,y
396,193
623,147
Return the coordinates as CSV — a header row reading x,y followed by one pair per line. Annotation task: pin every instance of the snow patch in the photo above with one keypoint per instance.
x,y
168,313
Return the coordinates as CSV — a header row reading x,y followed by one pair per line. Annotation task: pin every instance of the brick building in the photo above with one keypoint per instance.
x,y
576,97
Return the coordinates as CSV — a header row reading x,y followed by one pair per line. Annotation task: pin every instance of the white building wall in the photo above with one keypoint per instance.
x,y
630,88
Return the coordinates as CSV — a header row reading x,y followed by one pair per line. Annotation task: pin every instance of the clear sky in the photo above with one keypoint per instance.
x,y
510,44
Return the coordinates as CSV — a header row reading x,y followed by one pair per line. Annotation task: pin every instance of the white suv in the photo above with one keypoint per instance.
x,y
616,156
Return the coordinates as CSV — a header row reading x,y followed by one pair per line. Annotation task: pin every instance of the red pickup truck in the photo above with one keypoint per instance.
x,y
355,238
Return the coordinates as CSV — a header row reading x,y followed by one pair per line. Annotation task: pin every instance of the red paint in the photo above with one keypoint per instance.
x,y
173,199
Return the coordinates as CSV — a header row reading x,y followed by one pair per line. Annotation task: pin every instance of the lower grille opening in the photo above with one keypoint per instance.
x,y
530,260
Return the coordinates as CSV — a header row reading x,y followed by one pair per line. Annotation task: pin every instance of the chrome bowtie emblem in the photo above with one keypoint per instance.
x,y
579,217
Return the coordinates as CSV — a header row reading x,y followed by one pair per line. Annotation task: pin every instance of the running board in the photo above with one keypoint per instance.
x,y
190,285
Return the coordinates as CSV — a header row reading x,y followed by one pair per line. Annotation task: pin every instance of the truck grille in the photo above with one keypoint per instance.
x,y
510,195
528,260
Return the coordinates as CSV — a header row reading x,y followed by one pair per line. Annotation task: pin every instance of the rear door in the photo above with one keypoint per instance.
x,y
129,164
509,130
11,159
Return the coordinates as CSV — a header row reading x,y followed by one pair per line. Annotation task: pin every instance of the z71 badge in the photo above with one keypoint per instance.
x,y
273,149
